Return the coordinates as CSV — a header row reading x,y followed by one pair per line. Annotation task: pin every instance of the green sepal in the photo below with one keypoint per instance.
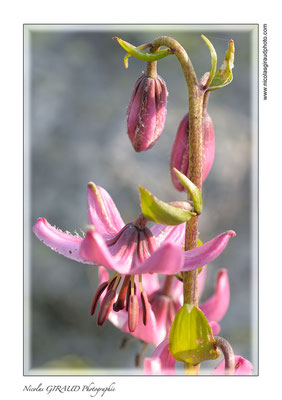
x,y
224,75
160,212
190,337
139,53
192,189
213,60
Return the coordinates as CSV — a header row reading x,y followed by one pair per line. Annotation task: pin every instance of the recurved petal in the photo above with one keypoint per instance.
x,y
170,234
161,362
102,211
206,253
242,367
216,306
93,248
168,259
59,241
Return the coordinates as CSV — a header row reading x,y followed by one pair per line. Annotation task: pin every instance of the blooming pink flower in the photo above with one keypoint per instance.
x,y
129,250
162,363
165,300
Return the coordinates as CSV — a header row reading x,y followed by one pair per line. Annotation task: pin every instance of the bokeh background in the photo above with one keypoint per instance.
x,y
76,94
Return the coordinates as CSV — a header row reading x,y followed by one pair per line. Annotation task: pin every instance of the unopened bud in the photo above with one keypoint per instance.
x,y
146,112
179,158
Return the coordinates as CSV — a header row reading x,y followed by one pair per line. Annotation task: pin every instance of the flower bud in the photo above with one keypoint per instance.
x,y
179,158
146,112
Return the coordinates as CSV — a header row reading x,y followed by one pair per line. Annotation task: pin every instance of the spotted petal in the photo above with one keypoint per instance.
x,y
102,212
216,306
59,241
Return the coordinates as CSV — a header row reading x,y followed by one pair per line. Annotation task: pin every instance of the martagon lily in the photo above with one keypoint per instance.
x,y
165,297
131,251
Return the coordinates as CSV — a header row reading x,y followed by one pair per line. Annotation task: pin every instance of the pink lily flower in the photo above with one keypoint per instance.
x,y
162,363
165,299
129,250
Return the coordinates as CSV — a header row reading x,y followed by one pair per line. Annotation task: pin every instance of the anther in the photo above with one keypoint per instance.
x,y
145,307
106,306
97,296
119,304
133,312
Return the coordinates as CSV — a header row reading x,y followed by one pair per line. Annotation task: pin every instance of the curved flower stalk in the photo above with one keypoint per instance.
x,y
130,250
165,299
162,363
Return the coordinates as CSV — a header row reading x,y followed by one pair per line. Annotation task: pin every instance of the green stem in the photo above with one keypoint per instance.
x,y
196,95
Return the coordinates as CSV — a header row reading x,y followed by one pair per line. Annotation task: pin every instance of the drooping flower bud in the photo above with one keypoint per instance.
x,y
179,158
146,112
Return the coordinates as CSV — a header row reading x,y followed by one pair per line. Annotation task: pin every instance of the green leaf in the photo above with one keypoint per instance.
x,y
190,336
192,189
224,75
213,60
158,211
137,52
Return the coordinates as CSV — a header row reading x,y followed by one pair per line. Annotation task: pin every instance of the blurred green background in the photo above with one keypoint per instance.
x,y
76,94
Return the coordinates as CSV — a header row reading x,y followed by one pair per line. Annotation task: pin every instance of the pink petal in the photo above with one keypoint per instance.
x,y
102,212
202,280
171,234
216,306
242,367
161,362
60,242
150,283
93,248
149,332
206,253
168,260
215,327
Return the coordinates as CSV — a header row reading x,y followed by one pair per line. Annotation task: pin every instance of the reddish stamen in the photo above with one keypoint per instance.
x,y
97,296
106,306
133,312
145,307
119,304
128,294
113,282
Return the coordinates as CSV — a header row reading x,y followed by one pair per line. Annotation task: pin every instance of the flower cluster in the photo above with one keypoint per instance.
x,y
142,270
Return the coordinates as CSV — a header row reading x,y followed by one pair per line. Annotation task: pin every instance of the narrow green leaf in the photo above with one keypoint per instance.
x,y
213,60
190,337
224,75
137,52
158,211
192,189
